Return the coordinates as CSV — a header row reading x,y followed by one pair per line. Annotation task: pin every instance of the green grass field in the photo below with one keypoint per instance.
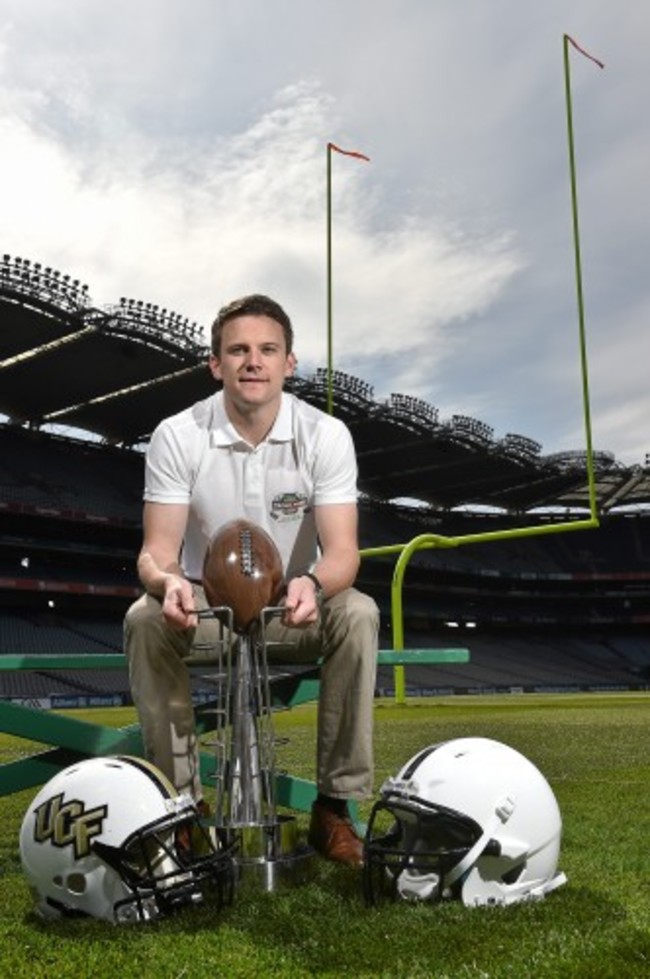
x,y
594,750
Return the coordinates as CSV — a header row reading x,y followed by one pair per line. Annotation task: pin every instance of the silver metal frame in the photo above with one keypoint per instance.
x,y
267,846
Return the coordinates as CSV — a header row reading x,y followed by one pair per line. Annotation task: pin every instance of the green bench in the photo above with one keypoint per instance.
x,y
72,739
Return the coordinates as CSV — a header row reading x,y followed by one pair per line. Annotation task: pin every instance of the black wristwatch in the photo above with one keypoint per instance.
x,y
318,588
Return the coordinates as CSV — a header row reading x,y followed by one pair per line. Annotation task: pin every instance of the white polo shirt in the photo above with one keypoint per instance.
x,y
198,458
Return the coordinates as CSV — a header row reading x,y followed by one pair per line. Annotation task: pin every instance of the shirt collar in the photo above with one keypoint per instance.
x,y
223,432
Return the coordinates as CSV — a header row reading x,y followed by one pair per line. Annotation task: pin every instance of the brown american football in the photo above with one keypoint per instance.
x,y
242,570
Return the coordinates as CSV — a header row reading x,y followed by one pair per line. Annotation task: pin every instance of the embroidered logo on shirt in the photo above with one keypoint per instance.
x,y
288,506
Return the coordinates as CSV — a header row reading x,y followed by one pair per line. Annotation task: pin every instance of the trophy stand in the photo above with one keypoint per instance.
x,y
266,845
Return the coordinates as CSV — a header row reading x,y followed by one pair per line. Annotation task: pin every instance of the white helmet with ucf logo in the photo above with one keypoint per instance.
x,y
111,838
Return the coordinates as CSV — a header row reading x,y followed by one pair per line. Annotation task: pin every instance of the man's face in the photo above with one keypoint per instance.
x,y
253,361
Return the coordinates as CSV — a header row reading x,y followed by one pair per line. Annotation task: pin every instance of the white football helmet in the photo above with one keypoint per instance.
x,y
111,838
469,818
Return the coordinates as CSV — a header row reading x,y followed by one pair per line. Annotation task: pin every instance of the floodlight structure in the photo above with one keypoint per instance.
x,y
36,281
520,447
152,322
414,410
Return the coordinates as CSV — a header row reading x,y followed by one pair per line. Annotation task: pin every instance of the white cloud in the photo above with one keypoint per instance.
x,y
248,215
156,162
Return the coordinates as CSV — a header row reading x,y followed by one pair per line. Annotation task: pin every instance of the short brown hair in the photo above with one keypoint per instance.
x,y
254,305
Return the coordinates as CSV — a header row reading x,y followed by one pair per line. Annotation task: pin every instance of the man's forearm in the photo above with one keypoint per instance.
x,y
337,571
153,578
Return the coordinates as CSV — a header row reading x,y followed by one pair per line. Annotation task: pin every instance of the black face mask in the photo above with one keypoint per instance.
x,y
420,841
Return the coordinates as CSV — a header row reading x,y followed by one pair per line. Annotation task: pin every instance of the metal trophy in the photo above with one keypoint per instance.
x,y
242,578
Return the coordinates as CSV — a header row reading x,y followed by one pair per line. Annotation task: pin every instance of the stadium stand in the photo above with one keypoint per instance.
x,y
559,611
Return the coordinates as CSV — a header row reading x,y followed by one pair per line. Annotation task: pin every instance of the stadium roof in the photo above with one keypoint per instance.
x,y
116,372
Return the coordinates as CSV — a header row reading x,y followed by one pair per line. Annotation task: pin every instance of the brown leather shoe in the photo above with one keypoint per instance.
x,y
334,837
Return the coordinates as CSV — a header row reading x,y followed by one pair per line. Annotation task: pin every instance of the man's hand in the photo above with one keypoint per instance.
x,y
178,605
301,603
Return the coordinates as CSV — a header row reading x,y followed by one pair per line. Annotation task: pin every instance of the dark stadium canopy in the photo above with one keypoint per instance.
x,y
116,372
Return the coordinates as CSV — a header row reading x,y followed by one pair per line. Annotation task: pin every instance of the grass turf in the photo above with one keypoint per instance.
x,y
594,751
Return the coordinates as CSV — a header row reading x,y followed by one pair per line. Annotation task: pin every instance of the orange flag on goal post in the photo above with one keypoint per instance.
x,y
582,51
359,156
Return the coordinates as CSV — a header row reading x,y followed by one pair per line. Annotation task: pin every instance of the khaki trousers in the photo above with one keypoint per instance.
x,y
346,637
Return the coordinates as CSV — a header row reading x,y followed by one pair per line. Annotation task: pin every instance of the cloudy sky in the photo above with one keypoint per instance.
x,y
175,151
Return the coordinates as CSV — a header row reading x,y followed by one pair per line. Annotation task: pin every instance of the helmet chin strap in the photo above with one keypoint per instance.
x,y
503,810
421,887
492,892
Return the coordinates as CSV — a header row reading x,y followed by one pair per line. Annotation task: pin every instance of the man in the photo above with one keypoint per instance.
x,y
252,451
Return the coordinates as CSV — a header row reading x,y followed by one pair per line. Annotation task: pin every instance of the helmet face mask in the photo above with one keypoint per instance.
x,y
162,866
412,859
111,838
470,819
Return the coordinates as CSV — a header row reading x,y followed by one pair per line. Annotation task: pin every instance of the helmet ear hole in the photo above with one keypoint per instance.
x,y
512,876
76,883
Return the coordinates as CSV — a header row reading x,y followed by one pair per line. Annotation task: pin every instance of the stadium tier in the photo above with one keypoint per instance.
x,y
558,611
